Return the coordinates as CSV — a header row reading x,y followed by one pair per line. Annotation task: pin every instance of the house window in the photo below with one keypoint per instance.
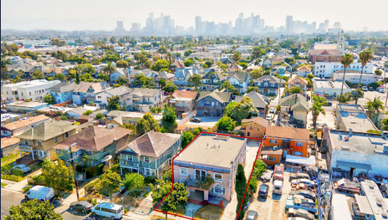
x,y
183,171
298,153
218,177
299,144
270,158
40,143
26,142
273,141
129,158
249,134
146,159
219,189
99,97
55,139
200,174
67,134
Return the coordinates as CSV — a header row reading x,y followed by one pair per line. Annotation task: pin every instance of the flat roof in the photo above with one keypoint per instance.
x,y
354,117
26,104
341,209
214,150
318,83
377,203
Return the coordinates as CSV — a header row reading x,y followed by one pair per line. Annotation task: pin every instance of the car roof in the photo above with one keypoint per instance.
x,y
109,205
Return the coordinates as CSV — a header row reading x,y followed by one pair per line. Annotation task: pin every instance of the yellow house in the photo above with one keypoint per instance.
x,y
296,106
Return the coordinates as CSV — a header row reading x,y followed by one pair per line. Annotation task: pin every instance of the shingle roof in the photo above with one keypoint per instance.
x,y
259,101
294,100
270,78
9,141
259,120
241,76
31,120
116,113
78,110
303,68
184,94
47,130
84,86
298,79
95,138
153,144
118,91
219,96
63,87
288,132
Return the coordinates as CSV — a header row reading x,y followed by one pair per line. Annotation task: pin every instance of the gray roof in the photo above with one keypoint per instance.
x,y
296,101
47,130
259,101
118,91
144,91
63,87
116,113
78,110
270,78
241,76
219,96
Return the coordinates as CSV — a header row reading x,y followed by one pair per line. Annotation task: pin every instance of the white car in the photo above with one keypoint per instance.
x,y
22,168
269,116
109,210
381,89
271,110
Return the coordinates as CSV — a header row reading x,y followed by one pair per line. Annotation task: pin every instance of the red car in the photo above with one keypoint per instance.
x,y
278,172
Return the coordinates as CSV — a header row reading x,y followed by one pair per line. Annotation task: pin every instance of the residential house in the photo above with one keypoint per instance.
x,y
120,72
18,127
239,80
103,96
150,154
131,118
212,78
212,103
297,107
259,101
79,111
177,64
281,70
142,99
210,157
292,141
25,107
182,75
63,92
234,67
356,152
269,85
94,145
253,127
40,139
115,113
266,64
298,82
133,73
183,101
34,90
9,146
332,88
353,117
85,92
303,71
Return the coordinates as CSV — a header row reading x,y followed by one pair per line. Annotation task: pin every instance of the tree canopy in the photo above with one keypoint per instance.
x,y
114,103
49,99
145,124
57,175
108,184
33,209
226,124
169,118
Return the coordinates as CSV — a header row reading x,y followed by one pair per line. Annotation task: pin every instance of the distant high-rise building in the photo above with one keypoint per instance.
x,y
326,24
198,21
120,26
289,24
150,26
136,27
337,24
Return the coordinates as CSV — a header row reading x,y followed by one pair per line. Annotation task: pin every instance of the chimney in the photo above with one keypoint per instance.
x,y
350,132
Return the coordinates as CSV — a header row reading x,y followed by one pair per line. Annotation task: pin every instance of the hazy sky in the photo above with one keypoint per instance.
x,y
103,14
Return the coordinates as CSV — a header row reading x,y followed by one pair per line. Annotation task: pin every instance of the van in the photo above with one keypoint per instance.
x,y
109,210
40,193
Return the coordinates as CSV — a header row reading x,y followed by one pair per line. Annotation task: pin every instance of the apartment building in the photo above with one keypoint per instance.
x,y
34,90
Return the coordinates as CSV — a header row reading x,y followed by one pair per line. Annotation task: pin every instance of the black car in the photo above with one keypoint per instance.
x,y
263,190
81,206
195,120
251,215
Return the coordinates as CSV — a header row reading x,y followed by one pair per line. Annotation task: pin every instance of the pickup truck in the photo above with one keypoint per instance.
x,y
297,202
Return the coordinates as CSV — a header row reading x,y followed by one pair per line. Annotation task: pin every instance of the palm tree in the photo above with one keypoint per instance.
x,y
374,107
346,60
236,57
109,69
364,58
316,110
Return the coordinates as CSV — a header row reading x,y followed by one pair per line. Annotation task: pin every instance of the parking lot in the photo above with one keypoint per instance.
x,y
206,122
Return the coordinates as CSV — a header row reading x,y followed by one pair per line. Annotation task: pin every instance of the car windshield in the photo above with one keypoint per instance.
x,y
278,172
263,188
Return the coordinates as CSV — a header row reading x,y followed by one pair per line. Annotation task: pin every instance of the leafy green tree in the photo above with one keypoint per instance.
x,y
169,118
37,75
226,124
109,69
57,176
236,56
146,124
243,109
187,137
85,68
195,80
243,64
33,209
227,86
99,116
259,169
295,90
108,184
60,55
103,76
162,82
374,106
133,181
229,108
121,81
142,81
114,103
253,89
160,64
49,99
13,48
17,79
188,62
170,87
60,76
57,42
112,40
241,184
188,52
346,60
88,112
147,64
257,73
122,64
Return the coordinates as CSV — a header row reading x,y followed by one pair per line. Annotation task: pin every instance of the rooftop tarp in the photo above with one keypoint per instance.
x,y
310,161
362,166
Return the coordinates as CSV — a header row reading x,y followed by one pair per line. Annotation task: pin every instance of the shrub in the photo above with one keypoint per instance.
x,y
63,118
150,180
89,187
25,189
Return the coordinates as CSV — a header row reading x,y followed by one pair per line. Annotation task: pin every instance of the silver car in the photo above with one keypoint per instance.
x,y
22,168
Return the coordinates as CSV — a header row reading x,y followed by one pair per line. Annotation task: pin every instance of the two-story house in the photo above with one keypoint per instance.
x,y
253,127
158,76
281,70
303,71
210,157
103,96
120,72
183,101
212,103
291,141
85,92
260,102
93,145
269,85
239,80
40,139
18,127
182,75
63,92
142,99
297,107
211,79
150,154
298,82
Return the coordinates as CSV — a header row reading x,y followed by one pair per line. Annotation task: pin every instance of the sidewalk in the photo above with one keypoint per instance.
x,y
19,186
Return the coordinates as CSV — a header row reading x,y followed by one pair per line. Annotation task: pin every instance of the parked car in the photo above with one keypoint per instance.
x,y
364,88
81,206
304,181
269,117
263,190
278,172
251,215
22,168
195,120
266,176
272,110
301,213
381,89
40,193
328,104
109,210
277,187
3,111
371,89
305,193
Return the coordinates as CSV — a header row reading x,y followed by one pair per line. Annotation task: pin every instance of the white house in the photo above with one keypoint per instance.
x,y
326,69
328,87
34,90
102,97
239,80
303,71
354,77
141,99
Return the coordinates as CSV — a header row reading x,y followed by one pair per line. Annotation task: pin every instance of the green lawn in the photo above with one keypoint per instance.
x,y
209,212
3,184
9,159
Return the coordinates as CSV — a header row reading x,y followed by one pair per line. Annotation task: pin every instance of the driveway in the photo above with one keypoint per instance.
x,y
207,122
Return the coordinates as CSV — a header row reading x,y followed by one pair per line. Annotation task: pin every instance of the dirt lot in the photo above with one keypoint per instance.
x,y
273,207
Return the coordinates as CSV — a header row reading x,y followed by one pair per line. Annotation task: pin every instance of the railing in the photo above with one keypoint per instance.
x,y
129,163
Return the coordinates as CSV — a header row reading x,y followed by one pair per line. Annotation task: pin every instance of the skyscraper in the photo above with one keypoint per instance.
x,y
120,26
326,24
337,24
198,21
289,24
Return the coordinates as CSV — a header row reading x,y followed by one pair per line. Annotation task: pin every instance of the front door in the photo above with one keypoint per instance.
x,y
265,91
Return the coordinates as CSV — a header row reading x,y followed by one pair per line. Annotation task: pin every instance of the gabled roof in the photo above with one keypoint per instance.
x,y
298,81
9,141
78,110
83,87
259,120
288,132
94,138
47,130
259,101
153,144
303,68
20,124
63,87
184,94
116,113
270,78
240,76
219,96
118,91
295,101
144,91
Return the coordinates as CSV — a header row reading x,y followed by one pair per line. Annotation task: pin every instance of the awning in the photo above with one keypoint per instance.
x,y
310,161
106,158
355,165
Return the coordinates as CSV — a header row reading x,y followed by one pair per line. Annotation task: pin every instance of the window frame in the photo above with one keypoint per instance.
x,y
218,180
183,168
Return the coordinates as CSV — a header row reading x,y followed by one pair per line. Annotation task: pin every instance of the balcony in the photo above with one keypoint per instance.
x,y
127,163
205,184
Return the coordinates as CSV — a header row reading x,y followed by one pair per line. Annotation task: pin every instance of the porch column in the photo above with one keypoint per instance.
x,y
188,190
206,195
121,171
32,153
20,151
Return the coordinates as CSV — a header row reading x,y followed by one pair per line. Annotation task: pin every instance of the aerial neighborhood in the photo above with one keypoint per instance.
x,y
211,122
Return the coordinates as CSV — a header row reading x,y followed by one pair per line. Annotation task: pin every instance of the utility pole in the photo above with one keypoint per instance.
x,y
72,164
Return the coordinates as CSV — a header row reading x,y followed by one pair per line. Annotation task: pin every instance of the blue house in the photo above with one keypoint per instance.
x,y
182,75
269,85
212,103
62,92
